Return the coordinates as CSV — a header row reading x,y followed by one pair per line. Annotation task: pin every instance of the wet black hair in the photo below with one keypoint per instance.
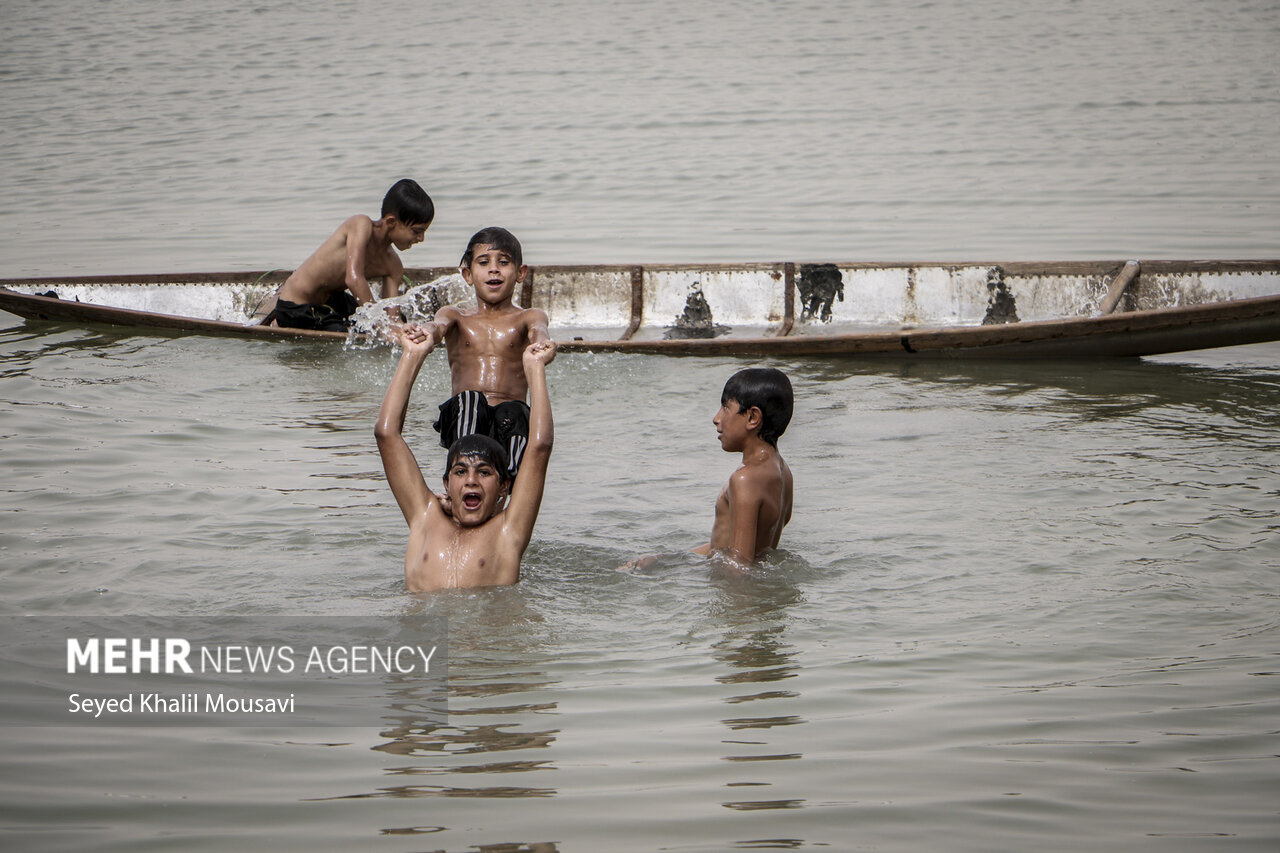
x,y
768,389
500,238
483,447
409,203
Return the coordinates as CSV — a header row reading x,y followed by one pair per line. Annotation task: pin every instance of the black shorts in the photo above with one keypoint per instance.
x,y
333,316
469,413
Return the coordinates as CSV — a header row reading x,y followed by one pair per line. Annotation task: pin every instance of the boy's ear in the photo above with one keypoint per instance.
x,y
755,417
524,271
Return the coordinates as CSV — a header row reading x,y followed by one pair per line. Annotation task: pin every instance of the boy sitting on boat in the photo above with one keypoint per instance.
x,y
485,345
755,504
325,291
477,542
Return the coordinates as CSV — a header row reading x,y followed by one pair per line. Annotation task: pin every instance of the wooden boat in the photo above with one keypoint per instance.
x,y
921,310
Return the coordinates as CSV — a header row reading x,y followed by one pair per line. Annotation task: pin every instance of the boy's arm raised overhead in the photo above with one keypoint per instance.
x,y
526,494
403,474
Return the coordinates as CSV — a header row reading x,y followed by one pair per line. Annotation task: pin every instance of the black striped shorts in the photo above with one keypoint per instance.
x,y
469,413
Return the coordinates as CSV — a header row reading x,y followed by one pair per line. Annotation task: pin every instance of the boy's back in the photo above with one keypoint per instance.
x,y
323,292
325,272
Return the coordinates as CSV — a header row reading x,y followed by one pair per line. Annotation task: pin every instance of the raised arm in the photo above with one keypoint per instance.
x,y
403,474
526,494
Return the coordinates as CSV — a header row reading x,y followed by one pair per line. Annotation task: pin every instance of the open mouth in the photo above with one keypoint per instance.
x,y
471,500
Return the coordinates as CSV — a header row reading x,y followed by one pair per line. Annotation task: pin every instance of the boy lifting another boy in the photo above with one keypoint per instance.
x,y
478,542
498,353
327,288
486,345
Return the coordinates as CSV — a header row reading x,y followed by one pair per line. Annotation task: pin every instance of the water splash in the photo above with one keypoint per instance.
x,y
371,326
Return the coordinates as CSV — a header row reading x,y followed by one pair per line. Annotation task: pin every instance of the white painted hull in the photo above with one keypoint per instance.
x,y
949,310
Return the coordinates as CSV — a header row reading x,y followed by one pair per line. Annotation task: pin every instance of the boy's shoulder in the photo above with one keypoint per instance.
x,y
358,224
514,315
761,475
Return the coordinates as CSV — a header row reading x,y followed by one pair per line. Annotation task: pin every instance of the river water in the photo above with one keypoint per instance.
x,y
1020,607
202,136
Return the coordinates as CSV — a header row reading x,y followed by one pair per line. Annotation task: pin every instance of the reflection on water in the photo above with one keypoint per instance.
x,y
753,606
1029,595
1092,390
497,688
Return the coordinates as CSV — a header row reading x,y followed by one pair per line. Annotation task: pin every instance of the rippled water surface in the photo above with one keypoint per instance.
x,y
159,137
1020,607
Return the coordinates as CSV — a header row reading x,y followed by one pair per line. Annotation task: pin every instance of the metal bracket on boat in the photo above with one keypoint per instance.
x,y
637,302
788,299
526,290
1128,274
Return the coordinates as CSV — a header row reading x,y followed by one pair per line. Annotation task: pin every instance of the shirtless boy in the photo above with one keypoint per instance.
x,y
479,543
755,504
485,347
324,292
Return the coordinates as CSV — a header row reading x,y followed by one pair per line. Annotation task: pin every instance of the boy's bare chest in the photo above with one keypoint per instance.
x,y
447,556
505,336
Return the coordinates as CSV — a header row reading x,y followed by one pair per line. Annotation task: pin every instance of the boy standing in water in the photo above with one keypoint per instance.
x,y
324,292
478,542
755,504
485,347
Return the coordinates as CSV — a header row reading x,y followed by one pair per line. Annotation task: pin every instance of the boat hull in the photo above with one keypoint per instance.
x,y
1133,334
38,307
904,311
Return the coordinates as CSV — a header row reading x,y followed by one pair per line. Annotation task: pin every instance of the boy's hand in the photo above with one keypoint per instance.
x,y
543,353
638,564
415,338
